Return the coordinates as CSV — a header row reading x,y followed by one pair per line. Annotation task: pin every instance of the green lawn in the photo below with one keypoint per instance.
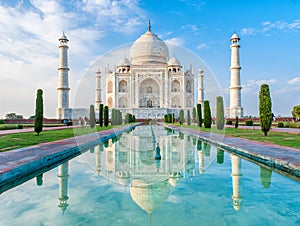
x,y
280,138
19,140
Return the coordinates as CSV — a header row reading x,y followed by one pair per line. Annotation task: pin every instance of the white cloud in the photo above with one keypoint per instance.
x,y
294,80
253,86
177,41
268,26
202,46
248,31
259,82
191,27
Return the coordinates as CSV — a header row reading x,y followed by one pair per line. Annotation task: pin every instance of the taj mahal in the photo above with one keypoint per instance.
x,y
149,84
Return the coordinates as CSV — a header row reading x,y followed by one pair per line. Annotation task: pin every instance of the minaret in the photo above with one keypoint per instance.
x,y
63,175
236,177
98,90
63,111
235,83
200,87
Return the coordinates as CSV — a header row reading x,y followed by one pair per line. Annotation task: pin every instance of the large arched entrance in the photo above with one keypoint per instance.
x,y
149,94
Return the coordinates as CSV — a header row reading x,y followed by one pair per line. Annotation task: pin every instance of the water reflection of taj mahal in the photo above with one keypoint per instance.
x,y
130,161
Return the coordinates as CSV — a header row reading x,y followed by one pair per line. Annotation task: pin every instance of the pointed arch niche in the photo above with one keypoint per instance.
x,y
109,87
123,103
123,86
175,87
176,102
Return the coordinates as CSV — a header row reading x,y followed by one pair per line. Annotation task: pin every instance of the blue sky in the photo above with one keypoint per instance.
x,y
269,32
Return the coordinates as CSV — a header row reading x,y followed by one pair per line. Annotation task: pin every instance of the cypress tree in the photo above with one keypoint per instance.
x,y
113,117
220,113
181,117
39,112
194,114
106,115
199,114
207,115
265,109
236,125
101,115
92,116
188,117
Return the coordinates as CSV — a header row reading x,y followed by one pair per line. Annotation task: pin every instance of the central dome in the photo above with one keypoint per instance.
x,y
148,49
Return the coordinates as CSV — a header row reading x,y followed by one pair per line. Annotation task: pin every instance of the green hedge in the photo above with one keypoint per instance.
x,y
280,125
249,123
229,122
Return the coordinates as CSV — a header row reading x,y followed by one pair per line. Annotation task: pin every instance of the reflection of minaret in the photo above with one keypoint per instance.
x,y
98,150
200,87
200,156
236,177
98,90
63,175
201,162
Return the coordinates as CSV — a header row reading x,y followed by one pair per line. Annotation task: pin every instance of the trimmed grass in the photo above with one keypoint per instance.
x,y
19,140
279,138
15,126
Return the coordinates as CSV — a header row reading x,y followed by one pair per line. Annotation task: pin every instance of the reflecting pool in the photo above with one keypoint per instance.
x,y
154,176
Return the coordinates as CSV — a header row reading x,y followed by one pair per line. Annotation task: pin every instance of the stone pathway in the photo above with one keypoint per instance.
x,y
283,158
20,162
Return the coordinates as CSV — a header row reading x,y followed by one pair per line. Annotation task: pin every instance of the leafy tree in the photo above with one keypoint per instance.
x,y
13,116
188,117
199,114
194,114
265,109
236,125
181,117
106,116
39,112
207,115
220,113
296,112
92,116
101,115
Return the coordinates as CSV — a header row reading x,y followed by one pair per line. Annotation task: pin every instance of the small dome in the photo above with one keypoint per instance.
x,y
200,70
124,62
63,37
173,62
148,49
234,36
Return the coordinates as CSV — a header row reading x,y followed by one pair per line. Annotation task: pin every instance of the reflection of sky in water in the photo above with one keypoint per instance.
x,y
202,199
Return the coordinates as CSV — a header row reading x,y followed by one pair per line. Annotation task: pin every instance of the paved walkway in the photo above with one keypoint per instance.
x,y
283,158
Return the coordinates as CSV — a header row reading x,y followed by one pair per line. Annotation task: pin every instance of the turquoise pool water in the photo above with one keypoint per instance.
x,y
123,182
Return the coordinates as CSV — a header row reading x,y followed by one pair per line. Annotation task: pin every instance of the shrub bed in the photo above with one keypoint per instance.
x,y
249,123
